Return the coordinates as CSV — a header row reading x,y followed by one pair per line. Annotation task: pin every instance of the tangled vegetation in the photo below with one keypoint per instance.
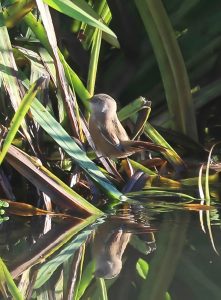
x,y
54,56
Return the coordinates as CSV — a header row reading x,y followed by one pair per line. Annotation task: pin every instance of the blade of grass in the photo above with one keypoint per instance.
x,y
147,195
139,166
207,190
19,115
78,10
102,289
171,64
106,15
48,63
210,231
5,277
95,51
80,271
71,269
207,198
202,197
131,109
170,154
87,276
103,13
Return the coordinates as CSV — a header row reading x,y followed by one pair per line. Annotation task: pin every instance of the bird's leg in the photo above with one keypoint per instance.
x,y
142,117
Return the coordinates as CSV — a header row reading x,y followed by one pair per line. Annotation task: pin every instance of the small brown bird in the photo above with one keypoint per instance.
x,y
109,136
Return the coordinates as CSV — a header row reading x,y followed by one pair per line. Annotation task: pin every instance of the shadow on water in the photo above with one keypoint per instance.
x,y
134,253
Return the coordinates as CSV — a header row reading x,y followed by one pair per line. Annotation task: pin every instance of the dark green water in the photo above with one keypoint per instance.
x,y
142,254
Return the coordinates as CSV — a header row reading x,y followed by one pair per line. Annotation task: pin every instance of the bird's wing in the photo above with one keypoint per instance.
x,y
109,137
140,145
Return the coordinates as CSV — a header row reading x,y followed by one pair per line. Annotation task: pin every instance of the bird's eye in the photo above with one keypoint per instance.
x,y
95,101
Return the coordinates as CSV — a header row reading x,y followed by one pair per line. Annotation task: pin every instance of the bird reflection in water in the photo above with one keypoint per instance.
x,y
111,239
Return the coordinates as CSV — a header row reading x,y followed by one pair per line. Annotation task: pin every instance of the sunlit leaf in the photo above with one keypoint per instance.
x,y
6,278
95,51
142,268
78,10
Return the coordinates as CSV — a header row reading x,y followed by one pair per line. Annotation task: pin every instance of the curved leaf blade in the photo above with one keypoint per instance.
x,y
79,11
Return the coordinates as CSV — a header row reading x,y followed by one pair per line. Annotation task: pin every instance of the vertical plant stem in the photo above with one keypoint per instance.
x,y
95,50
171,65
